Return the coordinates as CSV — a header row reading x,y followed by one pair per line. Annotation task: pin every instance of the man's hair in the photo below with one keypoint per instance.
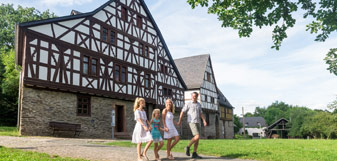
x,y
196,93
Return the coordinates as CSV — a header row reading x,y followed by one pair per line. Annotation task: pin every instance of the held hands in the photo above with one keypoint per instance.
x,y
145,128
166,129
179,123
205,123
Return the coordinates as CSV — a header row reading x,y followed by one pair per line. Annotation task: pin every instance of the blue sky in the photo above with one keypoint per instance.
x,y
247,70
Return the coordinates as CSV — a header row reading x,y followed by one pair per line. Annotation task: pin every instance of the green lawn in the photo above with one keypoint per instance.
x,y
8,131
20,155
261,149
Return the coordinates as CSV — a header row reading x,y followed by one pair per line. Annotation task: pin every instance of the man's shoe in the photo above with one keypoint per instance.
x,y
196,156
187,150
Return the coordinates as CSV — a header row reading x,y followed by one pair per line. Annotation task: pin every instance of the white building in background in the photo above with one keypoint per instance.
x,y
255,127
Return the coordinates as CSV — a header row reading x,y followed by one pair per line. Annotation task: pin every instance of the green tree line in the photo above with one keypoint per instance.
x,y
9,73
303,122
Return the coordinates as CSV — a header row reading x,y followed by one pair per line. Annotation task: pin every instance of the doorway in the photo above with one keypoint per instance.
x,y
120,116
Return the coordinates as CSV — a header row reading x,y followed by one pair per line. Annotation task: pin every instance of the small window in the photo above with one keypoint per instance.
x,y
207,119
112,37
139,21
147,81
117,71
165,92
209,77
212,100
166,70
86,65
94,67
83,105
141,49
105,34
169,92
162,68
124,14
206,98
123,75
146,51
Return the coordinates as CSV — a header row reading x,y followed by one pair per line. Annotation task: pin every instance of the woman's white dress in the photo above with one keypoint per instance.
x,y
139,134
169,124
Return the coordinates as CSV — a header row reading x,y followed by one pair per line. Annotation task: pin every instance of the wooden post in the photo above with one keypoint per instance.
x,y
243,123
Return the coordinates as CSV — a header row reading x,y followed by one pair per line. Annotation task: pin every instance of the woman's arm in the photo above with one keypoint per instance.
x,y
163,117
142,123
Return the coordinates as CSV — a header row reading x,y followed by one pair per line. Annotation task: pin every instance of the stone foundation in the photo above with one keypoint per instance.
x,y
39,107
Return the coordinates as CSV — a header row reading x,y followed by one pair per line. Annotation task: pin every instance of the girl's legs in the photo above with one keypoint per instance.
x,y
139,146
155,150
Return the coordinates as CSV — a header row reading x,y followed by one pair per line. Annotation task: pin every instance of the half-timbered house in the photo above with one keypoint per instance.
x,y
226,117
86,67
198,75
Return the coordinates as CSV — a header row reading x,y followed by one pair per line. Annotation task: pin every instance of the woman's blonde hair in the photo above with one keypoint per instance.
x,y
137,102
172,105
154,112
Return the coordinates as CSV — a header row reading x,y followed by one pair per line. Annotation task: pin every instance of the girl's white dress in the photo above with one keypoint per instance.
x,y
139,134
169,124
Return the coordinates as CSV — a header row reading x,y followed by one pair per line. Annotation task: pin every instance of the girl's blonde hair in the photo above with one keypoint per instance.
x,y
154,112
172,105
137,102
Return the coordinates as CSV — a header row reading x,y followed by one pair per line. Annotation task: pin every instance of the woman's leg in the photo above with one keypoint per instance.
x,y
168,147
139,146
176,140
147,147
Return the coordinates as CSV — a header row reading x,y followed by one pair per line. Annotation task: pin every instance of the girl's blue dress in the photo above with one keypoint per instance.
x,y
156,131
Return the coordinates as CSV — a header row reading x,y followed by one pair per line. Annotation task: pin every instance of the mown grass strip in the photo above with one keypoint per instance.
x,y
260,149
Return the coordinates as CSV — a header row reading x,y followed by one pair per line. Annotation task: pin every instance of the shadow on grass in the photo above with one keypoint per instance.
x,y
235,155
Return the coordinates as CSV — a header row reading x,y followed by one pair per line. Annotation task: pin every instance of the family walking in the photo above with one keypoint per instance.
x,y
149,131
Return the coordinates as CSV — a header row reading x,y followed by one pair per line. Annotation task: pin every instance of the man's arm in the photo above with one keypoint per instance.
x,y
203,119
180,117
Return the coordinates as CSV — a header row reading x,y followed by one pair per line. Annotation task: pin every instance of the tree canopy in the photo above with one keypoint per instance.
x,y
9,73
244,15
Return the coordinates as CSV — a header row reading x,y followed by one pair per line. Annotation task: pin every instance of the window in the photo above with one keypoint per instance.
x,y
212,100
85,65
147,81
162,68
90,66
146,51
120,74
222,112
139,21
112,37
141,49
124,14
207,119
123,75
83,105
165,92
206,98
93,67
166,70
108,35
169,92
208,76
105,34
117,69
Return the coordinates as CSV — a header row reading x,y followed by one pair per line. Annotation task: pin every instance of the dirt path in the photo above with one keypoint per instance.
x,y
85,148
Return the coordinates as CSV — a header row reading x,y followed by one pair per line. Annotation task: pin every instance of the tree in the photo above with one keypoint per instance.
x,y
298,115
244,15
237,123
9,75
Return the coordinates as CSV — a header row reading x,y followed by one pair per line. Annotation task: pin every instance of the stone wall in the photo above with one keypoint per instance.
x,y
228,129
39,107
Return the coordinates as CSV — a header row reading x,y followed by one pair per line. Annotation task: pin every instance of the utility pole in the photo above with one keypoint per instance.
x,y
243,123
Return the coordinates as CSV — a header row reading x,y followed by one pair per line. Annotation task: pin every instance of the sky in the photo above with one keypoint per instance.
x,y
247,71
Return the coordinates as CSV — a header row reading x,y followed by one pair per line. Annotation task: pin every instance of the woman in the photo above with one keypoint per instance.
x,y
170,132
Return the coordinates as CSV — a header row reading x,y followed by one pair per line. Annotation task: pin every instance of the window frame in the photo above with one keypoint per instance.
x,y
90,65
139,22
108,35
120,67
147,80
124,14
88,114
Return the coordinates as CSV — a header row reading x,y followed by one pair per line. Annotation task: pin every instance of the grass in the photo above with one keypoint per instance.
x,y
20,155
261,149
9,131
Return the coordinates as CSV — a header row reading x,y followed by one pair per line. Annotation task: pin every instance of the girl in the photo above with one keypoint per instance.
x,y
141,133
170,131
155,122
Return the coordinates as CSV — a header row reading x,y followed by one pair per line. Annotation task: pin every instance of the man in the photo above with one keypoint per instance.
x,y
194,112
